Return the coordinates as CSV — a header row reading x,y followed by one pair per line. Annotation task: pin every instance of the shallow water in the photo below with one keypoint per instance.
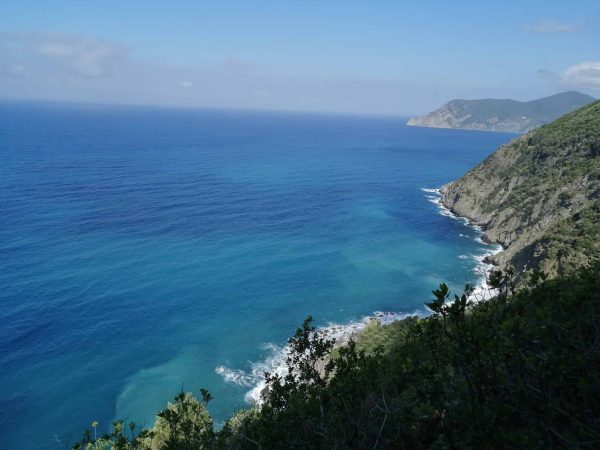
x,y
145,250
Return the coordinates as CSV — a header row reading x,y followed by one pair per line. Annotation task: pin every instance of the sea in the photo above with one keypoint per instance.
x,y
145,251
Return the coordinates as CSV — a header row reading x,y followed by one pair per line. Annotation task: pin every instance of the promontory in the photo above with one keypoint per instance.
x,y
539,196
502,115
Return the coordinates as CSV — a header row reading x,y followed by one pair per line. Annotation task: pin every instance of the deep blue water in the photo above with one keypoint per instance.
x,y
143,248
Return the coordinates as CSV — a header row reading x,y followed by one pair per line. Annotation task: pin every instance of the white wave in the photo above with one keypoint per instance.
x,y
437,200
234,376
276,362
482,290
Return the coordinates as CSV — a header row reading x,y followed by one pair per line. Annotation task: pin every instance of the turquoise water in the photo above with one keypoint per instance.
x,y
145,250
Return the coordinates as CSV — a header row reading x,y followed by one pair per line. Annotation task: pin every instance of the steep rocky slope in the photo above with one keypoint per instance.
x,y
502,115
539,195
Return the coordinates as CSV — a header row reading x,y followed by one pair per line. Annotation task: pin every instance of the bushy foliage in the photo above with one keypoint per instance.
x,y
539,195
182,425
518,371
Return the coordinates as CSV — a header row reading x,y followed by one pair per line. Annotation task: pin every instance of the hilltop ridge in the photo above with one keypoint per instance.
x,y
502,114
539,195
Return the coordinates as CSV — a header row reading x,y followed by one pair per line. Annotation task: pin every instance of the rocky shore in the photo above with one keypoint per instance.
x,y
538,196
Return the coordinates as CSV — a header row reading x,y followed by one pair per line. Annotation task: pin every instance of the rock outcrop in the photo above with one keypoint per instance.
x,y
539,195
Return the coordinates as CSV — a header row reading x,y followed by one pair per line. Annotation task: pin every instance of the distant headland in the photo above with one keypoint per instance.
x,y
502,114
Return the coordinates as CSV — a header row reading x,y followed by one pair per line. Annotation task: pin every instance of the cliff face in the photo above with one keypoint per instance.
x,y
539,195
502,115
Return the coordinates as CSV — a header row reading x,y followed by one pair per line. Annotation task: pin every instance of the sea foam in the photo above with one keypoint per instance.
x,y
276,363
482,289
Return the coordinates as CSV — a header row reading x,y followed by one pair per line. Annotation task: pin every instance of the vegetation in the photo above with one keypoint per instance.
x,y
502,115
521,370
518,371
539,195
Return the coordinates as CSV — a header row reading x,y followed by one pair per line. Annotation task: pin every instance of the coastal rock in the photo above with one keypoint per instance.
x,y
538,196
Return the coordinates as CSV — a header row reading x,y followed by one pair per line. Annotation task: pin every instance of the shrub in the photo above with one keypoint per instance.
x,y
518,371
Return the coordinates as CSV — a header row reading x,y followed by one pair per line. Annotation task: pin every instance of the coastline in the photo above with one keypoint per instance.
x,y
482,290
276,363
342,333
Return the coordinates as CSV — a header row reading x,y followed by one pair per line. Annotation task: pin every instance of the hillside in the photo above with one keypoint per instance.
x,y
518,371
539,195
502,115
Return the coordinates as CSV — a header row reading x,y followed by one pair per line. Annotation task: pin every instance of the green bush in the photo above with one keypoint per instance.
x,y
521,370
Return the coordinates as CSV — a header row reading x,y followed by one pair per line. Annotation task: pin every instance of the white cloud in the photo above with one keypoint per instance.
x,y
585,74
550,26
71,54
15,70
74,68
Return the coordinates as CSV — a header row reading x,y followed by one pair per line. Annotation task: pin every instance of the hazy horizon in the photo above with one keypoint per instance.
x,y
111,104
326,57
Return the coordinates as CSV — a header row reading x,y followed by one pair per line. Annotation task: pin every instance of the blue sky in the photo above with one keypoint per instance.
x,y
376,56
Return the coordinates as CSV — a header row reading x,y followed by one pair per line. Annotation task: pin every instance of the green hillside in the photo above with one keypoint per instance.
x,y
519,371
539,195
502,114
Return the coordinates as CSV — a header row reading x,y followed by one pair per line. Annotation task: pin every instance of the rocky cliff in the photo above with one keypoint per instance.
x,y
502,115
539,195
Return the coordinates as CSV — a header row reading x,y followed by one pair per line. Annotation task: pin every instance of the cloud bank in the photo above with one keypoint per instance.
x,y
548,26
67,67
585,75
46,53
74,68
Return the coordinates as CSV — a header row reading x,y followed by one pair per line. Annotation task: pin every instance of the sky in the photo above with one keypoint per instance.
x,y
388,57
